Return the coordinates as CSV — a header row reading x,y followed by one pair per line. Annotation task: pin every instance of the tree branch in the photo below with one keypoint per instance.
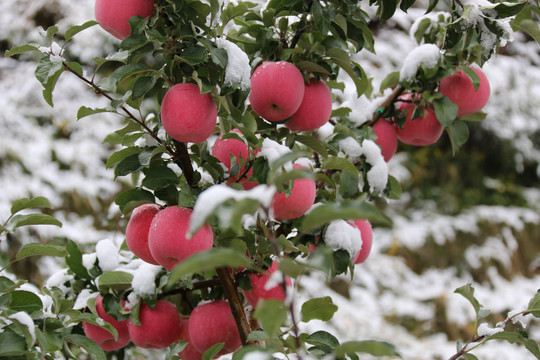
x,y
382,110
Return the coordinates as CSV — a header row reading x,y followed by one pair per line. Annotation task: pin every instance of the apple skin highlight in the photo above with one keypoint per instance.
x,y
137,231
113,15
315,109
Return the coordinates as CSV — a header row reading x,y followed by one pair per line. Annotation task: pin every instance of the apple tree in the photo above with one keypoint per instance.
x,y
247,170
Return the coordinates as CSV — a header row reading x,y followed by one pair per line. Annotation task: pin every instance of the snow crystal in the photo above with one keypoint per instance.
x,y
485,330
215,195
144,279
83,297
273,150
27,321
107,254
427,55
238,70
342,235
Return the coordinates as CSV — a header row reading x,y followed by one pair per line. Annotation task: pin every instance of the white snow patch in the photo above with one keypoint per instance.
x,y
342,235
215,195
25,319
275,279
377,176
485,330
427,55
83,297
238,70
272,150
58,279
257,355
107,254
89,260
144,279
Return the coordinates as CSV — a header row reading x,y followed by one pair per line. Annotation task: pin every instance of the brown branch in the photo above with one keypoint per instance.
x,y
237,308
299,32
385,105
196,286
464,350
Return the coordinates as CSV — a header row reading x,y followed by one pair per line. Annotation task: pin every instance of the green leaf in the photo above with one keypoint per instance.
x,y
159,177
395,188
272,315
130,199
142,86
322,22
86,343
390,81
372,347
121,155
24,203
319,308
445,111
74,30
21,49
339,163
11,344
86,111
34,249
472,76
195,55
33,219
116,280
209,260
313,143
326,213
387,8
459,134
468,356
25,301
74,260
212,351
467,291
323,338
174,349
506,9
478,116
128,165
97,321
534,305
51,31
529,26
5,284
517,337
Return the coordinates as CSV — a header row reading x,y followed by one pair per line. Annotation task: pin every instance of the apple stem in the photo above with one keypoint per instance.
x,y
237,308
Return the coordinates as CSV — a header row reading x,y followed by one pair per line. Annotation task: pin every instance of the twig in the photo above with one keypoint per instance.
x,y
196,285
299,32
385,105
237,308
464,349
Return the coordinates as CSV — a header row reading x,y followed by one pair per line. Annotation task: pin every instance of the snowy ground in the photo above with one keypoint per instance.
x,y
46,152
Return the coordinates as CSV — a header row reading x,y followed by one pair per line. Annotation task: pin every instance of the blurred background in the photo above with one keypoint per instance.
x,y
472,217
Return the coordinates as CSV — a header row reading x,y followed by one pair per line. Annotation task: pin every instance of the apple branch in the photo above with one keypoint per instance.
x,y
180,156
465,349
383,109
237,308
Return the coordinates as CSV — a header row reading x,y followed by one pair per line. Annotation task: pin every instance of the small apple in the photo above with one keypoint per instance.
x,y
366,232
113,15
277,90
300,200
159,327
386,138
212,323
315,109
223,149
137,231
168,241
101,336
258,291
422,131
460,89
188,116
190,352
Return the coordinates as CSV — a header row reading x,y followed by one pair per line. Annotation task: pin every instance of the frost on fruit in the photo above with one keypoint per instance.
x,y
341,235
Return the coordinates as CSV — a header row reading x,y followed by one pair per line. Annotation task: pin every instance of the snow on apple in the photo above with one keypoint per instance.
x,y
238,70
342,235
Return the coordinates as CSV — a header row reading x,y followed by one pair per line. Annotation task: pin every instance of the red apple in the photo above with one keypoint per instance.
x,y
168,240
112,15
137,231
212,323
277,89
366,232
460,89
315,109
159,327
300,200
223,149
422,131
188,116
258,292
190,352
103,337
386,138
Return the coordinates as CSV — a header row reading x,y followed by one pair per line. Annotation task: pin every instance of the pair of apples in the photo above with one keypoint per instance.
x,y
162,326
